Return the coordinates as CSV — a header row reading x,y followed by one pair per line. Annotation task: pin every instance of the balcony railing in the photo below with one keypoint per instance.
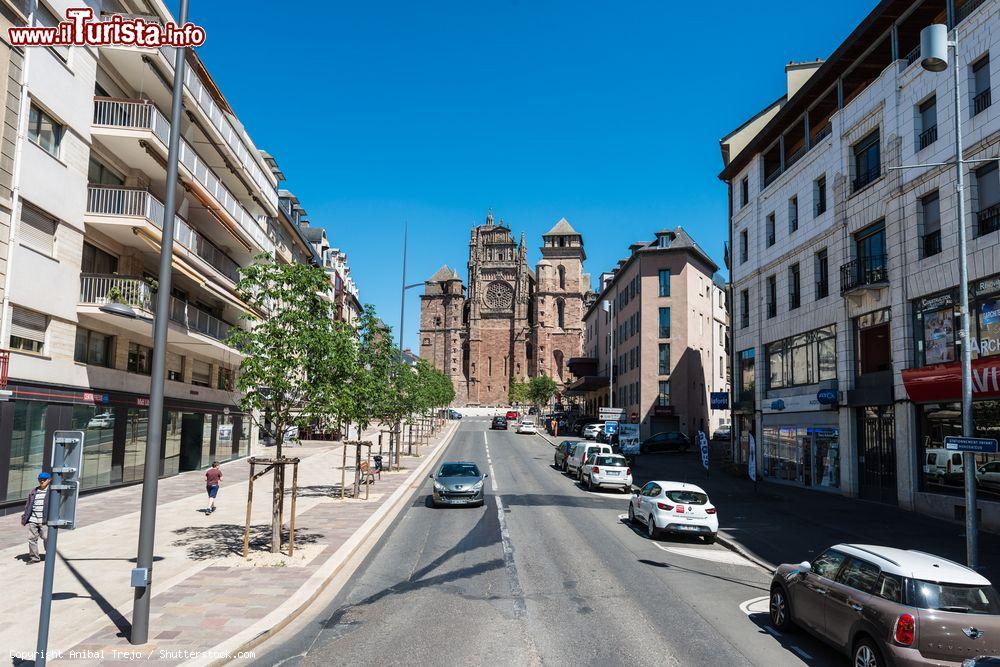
x,y
962,12
928,137
981,102
138,114
864,178
932,243
112,200
102,289
989,219
822,134
864,272
795,156
913,55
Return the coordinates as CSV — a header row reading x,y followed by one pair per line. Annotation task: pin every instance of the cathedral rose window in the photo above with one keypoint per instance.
x,y
499,295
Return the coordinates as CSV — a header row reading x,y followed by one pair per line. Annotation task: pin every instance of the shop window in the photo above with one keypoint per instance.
x,y
805,455
93,348
45,131
171,443
98,425
804,359
987,342
942,470
224,437
934,330
871,343
27,448
136,427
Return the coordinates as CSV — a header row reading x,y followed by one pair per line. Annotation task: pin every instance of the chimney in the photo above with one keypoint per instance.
x,y
796,74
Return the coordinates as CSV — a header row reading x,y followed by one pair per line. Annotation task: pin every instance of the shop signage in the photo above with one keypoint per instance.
x,y
827,396
142,402
720,400
663,411
978,445
798,403
936,384
986,286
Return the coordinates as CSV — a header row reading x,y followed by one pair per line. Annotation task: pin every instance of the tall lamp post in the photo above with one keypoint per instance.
x,y
402,323
142,573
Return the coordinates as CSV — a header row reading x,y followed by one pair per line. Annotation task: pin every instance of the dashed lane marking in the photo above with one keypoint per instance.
x,y
516,592
489,462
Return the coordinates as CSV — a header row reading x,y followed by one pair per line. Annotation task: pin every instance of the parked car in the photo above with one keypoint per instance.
x,y
943,466
885,606
512,416
458,483
580,454
591,430
454,414
665,442
102,420
723,433
526,425
674,507
563,451
498,423
577,425
988,476
607,470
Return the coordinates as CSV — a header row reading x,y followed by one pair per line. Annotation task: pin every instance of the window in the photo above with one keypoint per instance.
x,y
981,98
934,327
803,359
225,379
930,218
870,250
27,447
822,271
744,309
872,343
663,400
828,563
664,323
140,359
769,225
793,214
664,368
664,282
819,195
560,313
44,131
562,277
744,246
46,18
100,174
859,575
927,113
744,191
794,287
93,348
867,161
27,330
772,296
37,230
746,377
201,373
988,195
96,260
722,367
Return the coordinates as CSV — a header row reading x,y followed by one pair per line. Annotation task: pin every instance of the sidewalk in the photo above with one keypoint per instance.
x,y
786,524
205,593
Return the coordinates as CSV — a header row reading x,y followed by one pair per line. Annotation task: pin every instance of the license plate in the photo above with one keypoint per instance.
x,y
612,472
688,527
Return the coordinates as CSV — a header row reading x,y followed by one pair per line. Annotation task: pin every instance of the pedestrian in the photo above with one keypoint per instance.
x,y
35,516
212,478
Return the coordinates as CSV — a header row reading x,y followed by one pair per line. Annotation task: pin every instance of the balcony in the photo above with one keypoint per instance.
x,y
989,219
133,203
931,243
102,289
962,11
132,115
981,102
928,137
864,273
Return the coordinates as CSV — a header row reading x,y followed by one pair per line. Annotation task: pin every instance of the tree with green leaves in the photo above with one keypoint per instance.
x,y
541,389
292,353
519,392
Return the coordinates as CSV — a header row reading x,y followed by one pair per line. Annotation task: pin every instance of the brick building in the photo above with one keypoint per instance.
x,y
513,322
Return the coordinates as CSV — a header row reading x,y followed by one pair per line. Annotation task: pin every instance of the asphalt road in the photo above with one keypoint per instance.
x,y
545,573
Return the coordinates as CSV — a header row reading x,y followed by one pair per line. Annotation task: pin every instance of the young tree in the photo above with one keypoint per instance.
x,y
520,392
541,389
288,345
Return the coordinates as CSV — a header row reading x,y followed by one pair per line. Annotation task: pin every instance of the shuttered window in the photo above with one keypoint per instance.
x,y
201,373
27,330
37,230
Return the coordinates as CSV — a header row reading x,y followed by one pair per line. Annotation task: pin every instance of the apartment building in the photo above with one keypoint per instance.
x,y
658,330
845,268
88,161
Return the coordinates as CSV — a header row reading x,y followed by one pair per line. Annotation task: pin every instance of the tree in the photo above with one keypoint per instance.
x,y
541,389
291,353
520,392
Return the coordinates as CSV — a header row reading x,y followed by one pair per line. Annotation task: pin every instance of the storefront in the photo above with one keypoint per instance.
x,y
115,427
800,439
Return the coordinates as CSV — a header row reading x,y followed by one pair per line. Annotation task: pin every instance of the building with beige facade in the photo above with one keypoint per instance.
x,y
656,334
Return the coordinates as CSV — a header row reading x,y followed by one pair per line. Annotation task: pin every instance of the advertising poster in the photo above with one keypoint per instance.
x,y
938,336
628,439
703,443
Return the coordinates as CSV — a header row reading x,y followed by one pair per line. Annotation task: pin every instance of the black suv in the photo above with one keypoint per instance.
x,y
499,423
665,442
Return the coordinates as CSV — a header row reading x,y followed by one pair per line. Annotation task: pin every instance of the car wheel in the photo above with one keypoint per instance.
x,y
710,538
631,514
778,610
651,530
866,654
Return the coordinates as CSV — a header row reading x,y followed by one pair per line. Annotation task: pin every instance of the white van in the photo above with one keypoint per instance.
x,y
943,466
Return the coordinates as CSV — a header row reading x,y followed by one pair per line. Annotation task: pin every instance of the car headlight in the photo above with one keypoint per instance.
x,y
440,487
478,485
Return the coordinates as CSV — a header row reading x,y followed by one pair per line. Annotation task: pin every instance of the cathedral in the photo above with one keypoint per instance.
x,y
511,322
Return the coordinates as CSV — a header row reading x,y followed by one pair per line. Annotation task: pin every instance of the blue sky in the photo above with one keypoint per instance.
x,y
608,114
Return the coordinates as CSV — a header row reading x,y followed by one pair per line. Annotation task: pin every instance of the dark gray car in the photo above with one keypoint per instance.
x,y
458,483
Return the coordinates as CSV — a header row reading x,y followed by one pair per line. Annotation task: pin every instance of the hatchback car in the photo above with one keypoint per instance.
x,y
590,431
499,423
885,606
607,470
668,441
563,451
574,464
512,416
458,483
526,425
674,507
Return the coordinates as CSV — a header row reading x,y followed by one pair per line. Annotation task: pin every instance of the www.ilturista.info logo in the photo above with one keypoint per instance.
x,y
80,29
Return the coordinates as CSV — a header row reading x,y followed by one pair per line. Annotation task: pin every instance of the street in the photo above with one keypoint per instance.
x,y
546,572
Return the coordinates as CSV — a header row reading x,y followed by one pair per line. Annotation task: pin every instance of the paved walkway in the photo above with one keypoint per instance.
x,y
204,591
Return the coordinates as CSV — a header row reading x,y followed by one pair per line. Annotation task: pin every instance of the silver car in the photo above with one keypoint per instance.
x,y
458,483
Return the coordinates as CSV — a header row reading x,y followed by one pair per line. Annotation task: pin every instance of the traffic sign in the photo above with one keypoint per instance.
x,y
978,445
67,463
610,428
610,414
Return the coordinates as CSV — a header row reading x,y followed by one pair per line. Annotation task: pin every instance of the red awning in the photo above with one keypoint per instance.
x,y
937,384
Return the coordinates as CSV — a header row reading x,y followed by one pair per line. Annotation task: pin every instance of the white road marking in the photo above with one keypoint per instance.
x,y
516,593
802,654
755,605
719,555
489,461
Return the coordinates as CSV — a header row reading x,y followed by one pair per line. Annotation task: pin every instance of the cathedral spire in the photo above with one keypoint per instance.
x,y
489,217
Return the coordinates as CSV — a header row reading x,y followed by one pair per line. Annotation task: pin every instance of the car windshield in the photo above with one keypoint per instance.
x,y
609,461
459,470
954,597
687,497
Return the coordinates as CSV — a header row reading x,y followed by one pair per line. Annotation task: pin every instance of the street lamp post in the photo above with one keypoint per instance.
x,y
142,574
402,323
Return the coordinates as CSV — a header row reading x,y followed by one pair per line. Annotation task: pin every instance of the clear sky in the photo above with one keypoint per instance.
x,y
606,113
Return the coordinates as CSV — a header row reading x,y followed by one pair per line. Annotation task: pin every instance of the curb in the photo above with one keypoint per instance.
x,y
369,532
547,439
738,548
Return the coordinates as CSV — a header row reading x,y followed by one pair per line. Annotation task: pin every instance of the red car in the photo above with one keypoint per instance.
x,y
512,416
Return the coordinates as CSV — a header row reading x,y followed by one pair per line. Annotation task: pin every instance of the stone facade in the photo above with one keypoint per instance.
x,y
512,323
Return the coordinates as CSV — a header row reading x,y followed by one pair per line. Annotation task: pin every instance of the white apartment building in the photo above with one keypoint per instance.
x,y
88,151
845,270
